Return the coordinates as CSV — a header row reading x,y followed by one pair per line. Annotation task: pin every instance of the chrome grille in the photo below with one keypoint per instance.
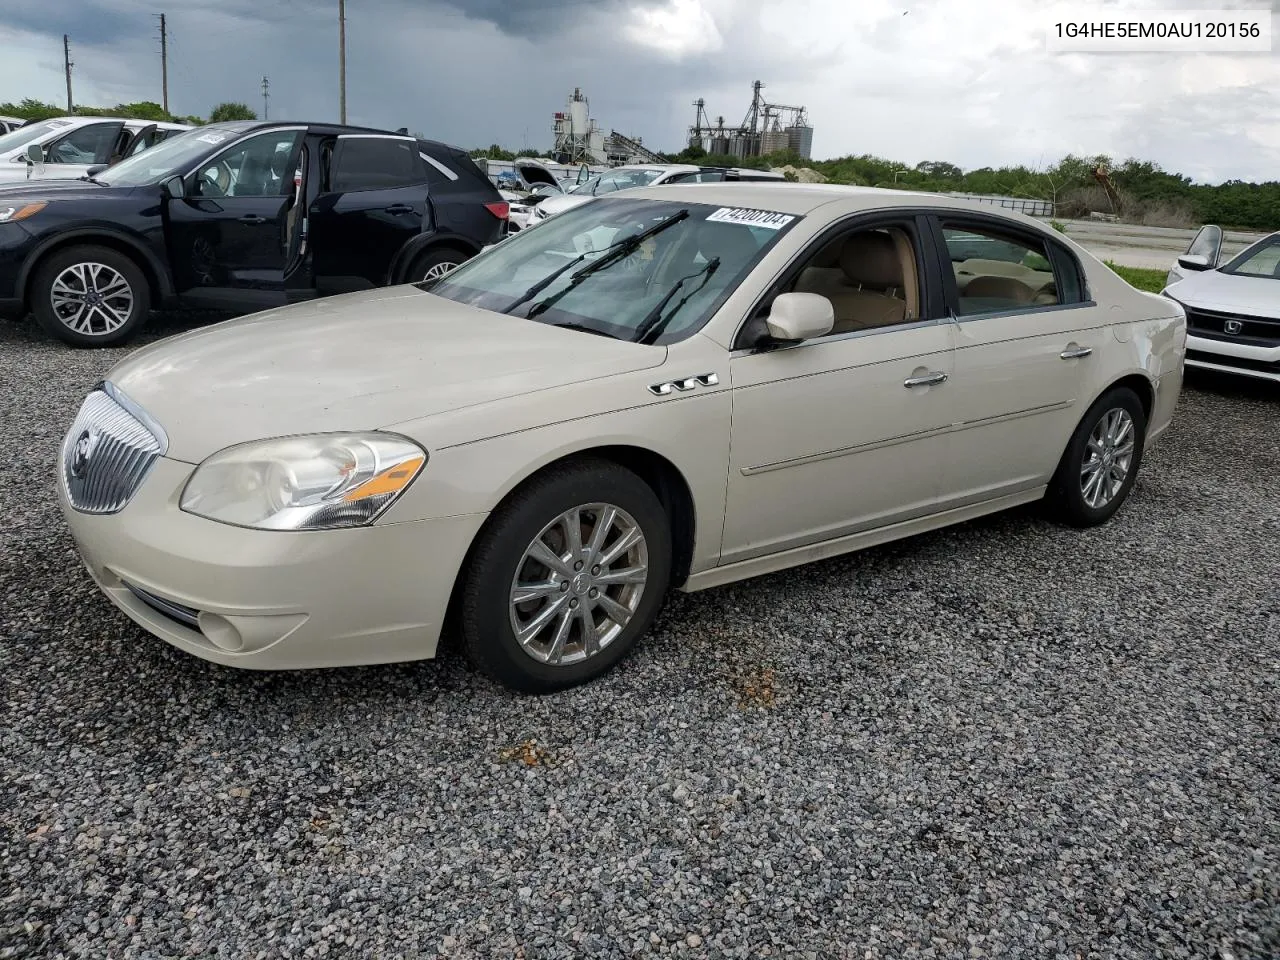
x,y
107,452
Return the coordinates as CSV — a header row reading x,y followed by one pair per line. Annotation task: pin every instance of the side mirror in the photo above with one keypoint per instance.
x,y
175,187
35,153
799,316
1193,261
95,170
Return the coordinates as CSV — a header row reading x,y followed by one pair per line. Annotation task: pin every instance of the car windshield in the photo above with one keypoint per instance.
x,y
175,154
630,268
621,179
1260,260
31,133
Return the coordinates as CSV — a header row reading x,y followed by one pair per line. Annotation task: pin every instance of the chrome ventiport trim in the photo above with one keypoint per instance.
x,y
702,379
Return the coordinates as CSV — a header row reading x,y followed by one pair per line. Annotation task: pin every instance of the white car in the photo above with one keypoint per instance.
x,y
66,148
10,123
671,388
1233,308
643,175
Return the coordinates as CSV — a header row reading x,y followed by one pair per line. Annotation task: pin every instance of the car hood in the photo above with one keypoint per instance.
x,y
531,172
355,362
1214,290
29,190
561,204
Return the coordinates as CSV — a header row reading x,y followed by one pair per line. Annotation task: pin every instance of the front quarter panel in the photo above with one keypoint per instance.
x,y
478,455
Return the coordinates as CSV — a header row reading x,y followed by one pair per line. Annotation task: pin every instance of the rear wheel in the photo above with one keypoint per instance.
x,y
566,577
434,264
90,296
1101,462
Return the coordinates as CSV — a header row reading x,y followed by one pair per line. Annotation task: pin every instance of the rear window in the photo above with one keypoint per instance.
x,y
374,163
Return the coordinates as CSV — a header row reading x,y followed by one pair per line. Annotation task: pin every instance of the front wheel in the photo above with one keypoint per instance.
x,y
1101,462
90,296
566,577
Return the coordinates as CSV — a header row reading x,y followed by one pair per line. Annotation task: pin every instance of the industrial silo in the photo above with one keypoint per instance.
x,y
800,139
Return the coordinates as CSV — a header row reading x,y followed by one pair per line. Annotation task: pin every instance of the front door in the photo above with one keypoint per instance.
x,y
71,155
229,238
1024,366
846,432
373,200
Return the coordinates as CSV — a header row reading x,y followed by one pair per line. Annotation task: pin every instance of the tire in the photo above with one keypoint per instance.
x,y
488,610
440,260
1077,495
98,321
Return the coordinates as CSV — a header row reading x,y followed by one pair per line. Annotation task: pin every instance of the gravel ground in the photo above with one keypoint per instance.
x,y
1002,740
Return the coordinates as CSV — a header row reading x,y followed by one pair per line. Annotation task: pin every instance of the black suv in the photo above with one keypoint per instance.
x,y
239,216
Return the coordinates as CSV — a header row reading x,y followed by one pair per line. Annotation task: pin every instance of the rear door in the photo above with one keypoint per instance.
x,y
372,201
1025,335
229,238
137,141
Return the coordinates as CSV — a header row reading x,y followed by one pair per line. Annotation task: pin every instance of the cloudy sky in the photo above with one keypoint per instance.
x,y
967,81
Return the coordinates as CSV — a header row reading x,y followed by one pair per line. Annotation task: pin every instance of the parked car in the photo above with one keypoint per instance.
x,y
644,175
239,216
673,387
1233,308
66,148
10,123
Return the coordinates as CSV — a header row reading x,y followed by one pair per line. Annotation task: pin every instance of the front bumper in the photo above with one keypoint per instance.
x,y
1239,358
273,600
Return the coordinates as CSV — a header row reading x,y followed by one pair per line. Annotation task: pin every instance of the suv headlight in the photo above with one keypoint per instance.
x,y
13,214
304,483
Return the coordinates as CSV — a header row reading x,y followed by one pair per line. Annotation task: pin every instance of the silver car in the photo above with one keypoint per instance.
x,y
678,387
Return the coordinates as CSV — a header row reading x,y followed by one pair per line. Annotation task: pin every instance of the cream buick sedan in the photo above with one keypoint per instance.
x,y
678,387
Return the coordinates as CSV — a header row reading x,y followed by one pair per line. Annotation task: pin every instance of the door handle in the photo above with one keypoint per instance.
x,y
252,218
398,208
925,380
1074,353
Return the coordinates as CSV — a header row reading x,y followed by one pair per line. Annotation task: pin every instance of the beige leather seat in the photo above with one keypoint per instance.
x,y
1000,288
867,288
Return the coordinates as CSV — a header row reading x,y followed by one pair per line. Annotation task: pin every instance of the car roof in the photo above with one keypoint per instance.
x,y
804,198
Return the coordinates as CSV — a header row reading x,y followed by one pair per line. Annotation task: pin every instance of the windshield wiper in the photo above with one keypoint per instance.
x,y
583,328
651,327
616,251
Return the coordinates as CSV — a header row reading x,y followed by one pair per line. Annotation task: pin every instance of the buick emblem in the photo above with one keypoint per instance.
x,y
82,452
1232,326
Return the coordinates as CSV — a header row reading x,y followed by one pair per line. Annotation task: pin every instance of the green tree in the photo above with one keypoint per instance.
x,y
231,111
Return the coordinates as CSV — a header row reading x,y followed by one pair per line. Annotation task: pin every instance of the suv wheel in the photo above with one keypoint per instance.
x,y
434,264
90,296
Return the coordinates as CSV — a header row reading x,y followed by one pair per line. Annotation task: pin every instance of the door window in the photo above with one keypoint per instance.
x,y
998,271
871,275
375,163
259,167
88,145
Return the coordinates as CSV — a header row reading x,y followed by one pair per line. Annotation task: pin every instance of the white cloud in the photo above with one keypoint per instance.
x,y
679,28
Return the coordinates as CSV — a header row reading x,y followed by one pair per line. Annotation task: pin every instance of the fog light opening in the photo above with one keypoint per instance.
x,y
221,633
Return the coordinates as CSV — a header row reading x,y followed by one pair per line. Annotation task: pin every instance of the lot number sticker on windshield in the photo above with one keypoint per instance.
x,y
214,138
751,218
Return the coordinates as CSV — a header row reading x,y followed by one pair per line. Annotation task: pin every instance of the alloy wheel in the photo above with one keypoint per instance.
x,y
1108,458
92,299
438,270
578,584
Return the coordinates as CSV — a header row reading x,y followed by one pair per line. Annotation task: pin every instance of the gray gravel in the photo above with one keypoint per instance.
x,y
1003,740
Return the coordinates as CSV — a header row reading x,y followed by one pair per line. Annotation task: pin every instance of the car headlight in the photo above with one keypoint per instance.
x,y
304,483
14,214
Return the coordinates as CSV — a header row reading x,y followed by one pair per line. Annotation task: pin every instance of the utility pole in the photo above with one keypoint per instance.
x,y
266,84
342,61
164,65
67,65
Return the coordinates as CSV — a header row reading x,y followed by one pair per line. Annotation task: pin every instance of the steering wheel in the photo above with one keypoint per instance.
x,y
215,181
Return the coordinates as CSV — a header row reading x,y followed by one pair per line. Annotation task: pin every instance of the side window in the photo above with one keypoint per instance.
x,y
375,163
997,271
871,275
258,167
89,144
439,173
